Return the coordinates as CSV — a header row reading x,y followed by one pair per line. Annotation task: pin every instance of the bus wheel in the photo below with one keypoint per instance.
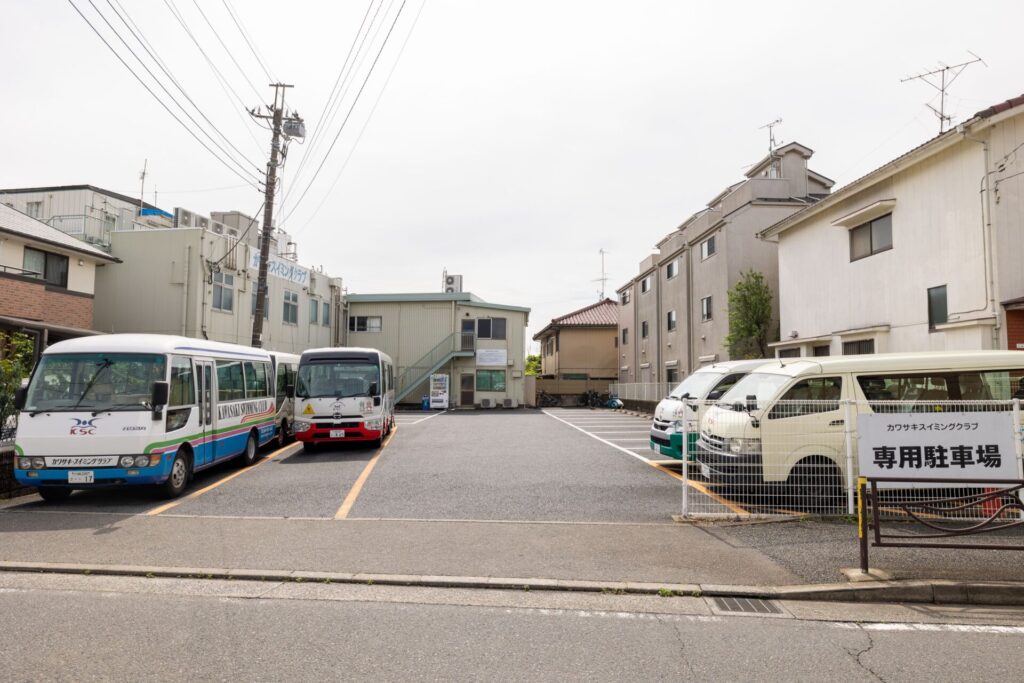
x,y
177,480
54,494
282,434
251,451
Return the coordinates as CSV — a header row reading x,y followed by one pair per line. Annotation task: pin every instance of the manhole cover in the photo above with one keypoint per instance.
x,y
747,606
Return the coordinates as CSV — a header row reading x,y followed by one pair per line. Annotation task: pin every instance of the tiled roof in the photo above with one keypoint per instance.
x,y
15,222
604,313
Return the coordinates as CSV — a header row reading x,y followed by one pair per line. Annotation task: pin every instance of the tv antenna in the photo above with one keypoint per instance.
x,y
604,276
941,79
771,133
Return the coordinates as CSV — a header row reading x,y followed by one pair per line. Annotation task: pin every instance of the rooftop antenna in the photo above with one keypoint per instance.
x,y
941,79
773,167
142,180
604,276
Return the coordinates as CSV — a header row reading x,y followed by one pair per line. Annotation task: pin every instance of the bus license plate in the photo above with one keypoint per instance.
x,y
87,477
337,433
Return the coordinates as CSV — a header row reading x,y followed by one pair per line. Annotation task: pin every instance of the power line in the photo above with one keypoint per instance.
x,y
362,130
177,84
226,49
349,113
240,238
160,101
248,41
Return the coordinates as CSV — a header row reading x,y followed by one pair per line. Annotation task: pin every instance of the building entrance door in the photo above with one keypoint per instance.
x,y
466,393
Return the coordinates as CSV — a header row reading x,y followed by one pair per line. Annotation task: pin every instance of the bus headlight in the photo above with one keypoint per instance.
x,y
126,461
374,424
301,425
38,463
746,446
24,463
142,461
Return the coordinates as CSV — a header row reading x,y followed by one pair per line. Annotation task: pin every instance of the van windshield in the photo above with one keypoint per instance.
x,y
337,379
762,385
94,381
697,385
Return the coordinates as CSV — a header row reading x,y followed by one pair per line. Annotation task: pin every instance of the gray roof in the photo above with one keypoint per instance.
x,y
69,188
459,297
15,222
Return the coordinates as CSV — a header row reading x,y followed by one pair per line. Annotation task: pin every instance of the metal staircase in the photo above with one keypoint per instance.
x,y
455,345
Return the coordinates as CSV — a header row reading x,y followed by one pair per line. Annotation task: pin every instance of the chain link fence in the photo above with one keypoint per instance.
x,y
801,456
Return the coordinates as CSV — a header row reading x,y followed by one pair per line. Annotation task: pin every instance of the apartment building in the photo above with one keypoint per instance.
x,y
673,315
481,346
923,253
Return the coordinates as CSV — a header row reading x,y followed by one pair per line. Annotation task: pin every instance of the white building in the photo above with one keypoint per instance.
x,y
924,253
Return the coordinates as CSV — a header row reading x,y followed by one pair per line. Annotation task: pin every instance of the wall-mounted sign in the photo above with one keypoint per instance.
x,y
492,357
281,268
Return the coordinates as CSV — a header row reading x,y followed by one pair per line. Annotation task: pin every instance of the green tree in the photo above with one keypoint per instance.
x,y
750,317
16,351
533,364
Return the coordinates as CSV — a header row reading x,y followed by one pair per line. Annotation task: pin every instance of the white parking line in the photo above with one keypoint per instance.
x,y
408,423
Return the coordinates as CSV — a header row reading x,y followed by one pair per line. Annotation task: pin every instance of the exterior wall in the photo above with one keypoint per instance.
x,y
673,295
1007,204
24,297
647,360
628,366
164,286
937,235
582,350
84,213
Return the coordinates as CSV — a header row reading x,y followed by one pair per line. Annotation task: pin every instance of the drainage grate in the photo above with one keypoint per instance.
x,y
747,605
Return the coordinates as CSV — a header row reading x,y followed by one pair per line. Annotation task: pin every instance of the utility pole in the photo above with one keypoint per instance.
x,y
945,76
604,276
277,117
142,189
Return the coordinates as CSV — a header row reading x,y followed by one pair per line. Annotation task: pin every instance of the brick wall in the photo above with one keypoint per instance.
x,y
1014,329
24,297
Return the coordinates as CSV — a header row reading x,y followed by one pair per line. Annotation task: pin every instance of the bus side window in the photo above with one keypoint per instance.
x,y
183,383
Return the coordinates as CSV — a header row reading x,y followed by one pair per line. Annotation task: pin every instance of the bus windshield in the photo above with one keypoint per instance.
x,y
341,378
95,381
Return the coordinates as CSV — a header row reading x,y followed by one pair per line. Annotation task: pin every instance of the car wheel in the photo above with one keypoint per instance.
x,y
817,487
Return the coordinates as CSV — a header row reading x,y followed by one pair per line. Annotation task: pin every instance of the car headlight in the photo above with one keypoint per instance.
x,y
38,463
126,461
374,424
301,425
748,446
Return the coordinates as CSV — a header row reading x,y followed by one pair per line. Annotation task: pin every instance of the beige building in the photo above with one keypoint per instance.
x,y
673,316
480,346
201,282
581,345
923,253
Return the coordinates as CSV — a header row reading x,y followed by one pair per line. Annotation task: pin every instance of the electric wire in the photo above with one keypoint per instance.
x,y
239,239
355,101
158,99
362,130
178,85
248,41
227,49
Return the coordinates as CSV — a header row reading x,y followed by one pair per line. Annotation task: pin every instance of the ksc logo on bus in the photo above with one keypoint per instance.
x,y
83,427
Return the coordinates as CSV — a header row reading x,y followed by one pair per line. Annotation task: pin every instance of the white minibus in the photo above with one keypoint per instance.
x,y
785,421
285,368
688,402
344,394
140,409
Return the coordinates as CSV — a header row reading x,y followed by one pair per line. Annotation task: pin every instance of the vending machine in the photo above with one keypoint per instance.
x,y
439,391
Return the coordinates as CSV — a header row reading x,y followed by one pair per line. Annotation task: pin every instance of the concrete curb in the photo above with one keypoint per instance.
x,y
918,591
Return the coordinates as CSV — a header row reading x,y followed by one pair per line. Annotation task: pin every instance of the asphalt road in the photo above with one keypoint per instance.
x,y
106,628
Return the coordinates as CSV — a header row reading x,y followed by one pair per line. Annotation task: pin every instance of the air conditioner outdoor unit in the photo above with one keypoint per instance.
x,y
232,232
218,228
183,218
452,283
202,222
509,403
485,403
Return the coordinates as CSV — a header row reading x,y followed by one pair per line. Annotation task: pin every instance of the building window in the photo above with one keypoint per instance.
x,y
34,209
314,311
490,380
871,238
365,323
645,285
705,308
859,347
224,292
290,312
707,248
625,336
672,375
822,350
326,318
624,297
643,330
51,268
670,320
672,269
938,312
490,328
266,307
790,353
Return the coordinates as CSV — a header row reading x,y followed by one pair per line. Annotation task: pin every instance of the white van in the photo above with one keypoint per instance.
x,y
785,421
707,383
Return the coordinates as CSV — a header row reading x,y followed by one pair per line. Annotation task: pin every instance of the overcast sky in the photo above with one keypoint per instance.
x,y
513,140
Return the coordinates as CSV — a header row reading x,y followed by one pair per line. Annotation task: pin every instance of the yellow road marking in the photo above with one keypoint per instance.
x,y
357,487
195,494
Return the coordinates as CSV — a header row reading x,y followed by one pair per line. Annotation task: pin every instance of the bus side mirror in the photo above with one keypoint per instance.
x,y
159,397
374,389
20,397
289,391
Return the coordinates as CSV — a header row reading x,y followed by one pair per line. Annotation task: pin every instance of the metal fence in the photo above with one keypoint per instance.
x,y
651,392
801,456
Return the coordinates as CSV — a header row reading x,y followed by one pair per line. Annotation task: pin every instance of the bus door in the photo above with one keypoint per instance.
x,y
207,419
